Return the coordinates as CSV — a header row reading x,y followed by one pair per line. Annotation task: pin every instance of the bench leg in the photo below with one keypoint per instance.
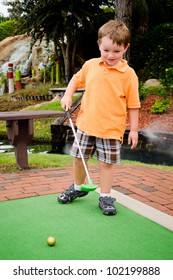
x,y
20,134
21,155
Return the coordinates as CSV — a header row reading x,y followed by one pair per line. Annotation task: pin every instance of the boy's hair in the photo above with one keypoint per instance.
x,y
116,30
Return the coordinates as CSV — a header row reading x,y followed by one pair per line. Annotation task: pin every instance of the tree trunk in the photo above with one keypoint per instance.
x,y
68,58
66,53
67,62
123,12
73,56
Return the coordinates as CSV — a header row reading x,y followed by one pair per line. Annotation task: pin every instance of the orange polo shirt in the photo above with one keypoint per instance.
x,y
109,91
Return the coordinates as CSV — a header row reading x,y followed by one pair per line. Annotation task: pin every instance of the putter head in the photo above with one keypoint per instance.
x,y
88,187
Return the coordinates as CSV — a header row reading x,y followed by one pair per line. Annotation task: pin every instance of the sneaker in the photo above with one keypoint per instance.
x,y
106,204
70,194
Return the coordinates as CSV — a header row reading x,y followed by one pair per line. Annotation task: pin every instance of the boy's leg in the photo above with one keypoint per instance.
x,y
106,202
79,171
73,192
106,177
108,154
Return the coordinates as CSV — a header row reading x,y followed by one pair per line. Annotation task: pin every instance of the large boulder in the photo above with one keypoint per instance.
x,y
17,50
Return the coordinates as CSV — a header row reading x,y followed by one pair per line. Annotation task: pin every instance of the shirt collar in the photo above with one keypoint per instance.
x,y
121,67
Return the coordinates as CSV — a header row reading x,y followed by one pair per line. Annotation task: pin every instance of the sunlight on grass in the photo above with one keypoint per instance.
x,y
8,162
47,106
52,105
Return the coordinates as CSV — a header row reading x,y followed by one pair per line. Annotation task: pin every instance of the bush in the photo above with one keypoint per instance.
x,y
144,91
38,89
160,106
168,80
8,28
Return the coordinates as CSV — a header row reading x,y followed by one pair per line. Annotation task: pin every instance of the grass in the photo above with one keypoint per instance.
x,y
46,106
8,162
6,104
38,89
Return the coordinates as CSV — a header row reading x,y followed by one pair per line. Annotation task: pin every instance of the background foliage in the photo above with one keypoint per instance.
x,y
152,52
8,28
73,26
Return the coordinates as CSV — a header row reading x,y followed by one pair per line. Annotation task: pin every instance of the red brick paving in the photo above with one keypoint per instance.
x,y
152,186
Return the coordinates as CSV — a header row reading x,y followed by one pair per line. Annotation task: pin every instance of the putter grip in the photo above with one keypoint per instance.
x,y
68,114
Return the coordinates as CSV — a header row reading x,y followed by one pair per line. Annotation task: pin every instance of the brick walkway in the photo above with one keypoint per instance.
x,y
149,185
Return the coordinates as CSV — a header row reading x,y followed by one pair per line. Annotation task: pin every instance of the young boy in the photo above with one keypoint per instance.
x,y
111,89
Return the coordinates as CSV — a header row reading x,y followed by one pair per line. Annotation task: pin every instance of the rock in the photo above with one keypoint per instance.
x,y
152,83
16,50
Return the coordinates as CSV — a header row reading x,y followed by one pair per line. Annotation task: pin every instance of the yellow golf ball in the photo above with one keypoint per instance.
x,y
51,241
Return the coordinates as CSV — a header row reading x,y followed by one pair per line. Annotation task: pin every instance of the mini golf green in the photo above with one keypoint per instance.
x,y
81,230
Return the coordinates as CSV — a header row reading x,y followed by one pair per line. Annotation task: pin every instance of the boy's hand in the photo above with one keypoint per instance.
x,y
66,102
133,139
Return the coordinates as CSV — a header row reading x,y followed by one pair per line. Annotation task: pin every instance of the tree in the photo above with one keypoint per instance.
x,y
8,28
146,14
143,14
123,11
64,22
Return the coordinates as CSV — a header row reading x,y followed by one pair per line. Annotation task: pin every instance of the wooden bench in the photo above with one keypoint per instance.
x,y
20,130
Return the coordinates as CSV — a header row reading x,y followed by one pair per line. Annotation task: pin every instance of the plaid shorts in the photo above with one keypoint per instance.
x,y
107,150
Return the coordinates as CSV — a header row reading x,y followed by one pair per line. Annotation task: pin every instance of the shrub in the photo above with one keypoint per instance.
x,y
168,79
8,28
30,89
144,91
160,106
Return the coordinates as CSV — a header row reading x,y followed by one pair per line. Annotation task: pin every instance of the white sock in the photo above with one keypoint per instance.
x,y
77,187
105,194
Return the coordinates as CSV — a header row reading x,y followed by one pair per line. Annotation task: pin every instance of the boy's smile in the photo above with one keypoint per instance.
x,y
111,53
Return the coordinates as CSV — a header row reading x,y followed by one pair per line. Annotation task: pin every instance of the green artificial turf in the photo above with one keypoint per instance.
x,y
81,230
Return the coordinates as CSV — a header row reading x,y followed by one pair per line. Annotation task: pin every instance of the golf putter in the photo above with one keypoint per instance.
x,y
84,187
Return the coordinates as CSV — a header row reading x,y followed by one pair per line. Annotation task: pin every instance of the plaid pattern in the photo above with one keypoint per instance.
x,y
107,150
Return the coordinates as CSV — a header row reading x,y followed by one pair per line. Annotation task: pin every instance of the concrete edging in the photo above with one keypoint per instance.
x,y
146,211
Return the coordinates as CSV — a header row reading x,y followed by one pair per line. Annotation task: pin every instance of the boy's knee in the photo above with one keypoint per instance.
x,y
105,165
78,162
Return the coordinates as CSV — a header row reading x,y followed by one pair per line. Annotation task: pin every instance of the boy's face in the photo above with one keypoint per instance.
x,y
111,53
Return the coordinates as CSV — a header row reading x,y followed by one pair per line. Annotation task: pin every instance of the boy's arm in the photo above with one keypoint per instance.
x,y
66,101
133,134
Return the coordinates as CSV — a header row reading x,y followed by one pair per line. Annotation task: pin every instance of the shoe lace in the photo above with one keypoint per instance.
x,y
69,190
108,201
